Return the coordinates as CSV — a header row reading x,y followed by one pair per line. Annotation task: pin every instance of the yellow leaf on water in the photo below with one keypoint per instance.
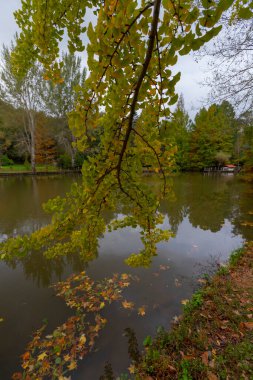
x,y
72,366
142,311
67,358
184,302
42,356
82,339
127,305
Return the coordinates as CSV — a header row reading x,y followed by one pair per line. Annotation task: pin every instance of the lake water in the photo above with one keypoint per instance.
x,y
207,214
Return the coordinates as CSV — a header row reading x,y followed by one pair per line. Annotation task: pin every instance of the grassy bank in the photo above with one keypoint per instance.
x,y
214,337
26,168
40,169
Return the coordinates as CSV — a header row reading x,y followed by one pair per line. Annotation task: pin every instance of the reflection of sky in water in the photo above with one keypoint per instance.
x,y
26,299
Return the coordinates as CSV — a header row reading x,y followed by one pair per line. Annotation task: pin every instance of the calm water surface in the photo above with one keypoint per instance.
x,y
204,212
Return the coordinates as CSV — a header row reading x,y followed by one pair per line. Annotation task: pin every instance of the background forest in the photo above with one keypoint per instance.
x,y
214,138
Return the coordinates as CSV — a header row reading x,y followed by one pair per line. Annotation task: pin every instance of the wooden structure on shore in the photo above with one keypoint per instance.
x,y
223,169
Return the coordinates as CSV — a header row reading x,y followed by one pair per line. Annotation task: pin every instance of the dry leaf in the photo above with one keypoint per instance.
x,y
142,311
72,366
82,339
42,356
211,376
204,358
127,305
248,325
131,369
172,369
164,267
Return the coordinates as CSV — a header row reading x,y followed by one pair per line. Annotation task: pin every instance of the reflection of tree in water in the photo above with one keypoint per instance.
x,y
22,199
208,201
243,218
43,270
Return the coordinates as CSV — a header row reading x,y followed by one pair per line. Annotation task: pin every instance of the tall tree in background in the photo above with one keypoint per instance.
x,y
23,93
177,131
230,57
245,143
212,136
60,99
45,144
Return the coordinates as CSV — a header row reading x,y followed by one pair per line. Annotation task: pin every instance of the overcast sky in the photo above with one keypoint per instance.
x,y
192,73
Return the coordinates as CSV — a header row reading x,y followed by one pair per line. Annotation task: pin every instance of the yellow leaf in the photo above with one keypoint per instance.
x,y
184,302
82,339
131,369
42,356
142,311
127,305
67,358
124,276
72,365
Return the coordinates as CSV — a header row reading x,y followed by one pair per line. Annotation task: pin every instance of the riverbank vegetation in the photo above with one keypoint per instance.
x,y
213,338
215,137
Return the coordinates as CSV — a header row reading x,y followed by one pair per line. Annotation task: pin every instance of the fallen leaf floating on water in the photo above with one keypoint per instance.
x,y
164,267
177,283
82,339
142,311
1,320
125,276
184,302
42,356
54,355
72,365
127,305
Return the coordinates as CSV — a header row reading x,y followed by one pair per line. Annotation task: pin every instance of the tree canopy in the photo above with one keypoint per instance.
x,y
131,51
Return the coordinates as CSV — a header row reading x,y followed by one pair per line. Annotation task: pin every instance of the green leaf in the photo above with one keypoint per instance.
x,y
147,341
245,13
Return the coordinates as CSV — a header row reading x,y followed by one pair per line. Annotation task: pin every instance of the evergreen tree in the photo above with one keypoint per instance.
x,y
212,134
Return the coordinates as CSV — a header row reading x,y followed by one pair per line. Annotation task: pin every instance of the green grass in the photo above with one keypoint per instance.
x,y
241,354
16,168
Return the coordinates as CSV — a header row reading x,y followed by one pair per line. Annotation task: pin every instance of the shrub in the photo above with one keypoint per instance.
x,y
64,161
6,161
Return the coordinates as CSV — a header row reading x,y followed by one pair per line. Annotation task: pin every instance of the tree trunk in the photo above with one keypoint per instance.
x,y
32,131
